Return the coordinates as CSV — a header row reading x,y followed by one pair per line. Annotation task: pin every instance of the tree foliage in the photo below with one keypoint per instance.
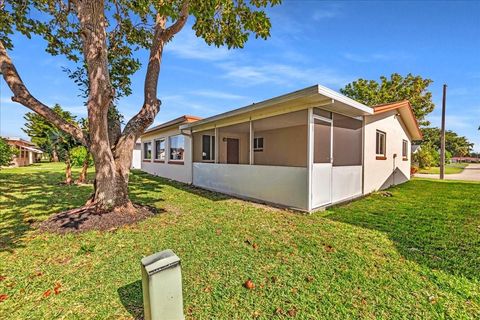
x,y
41,131
6,152
101,37
79,154
458,146
393,89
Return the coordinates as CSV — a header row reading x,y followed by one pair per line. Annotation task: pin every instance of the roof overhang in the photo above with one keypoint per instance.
x,y
33,150
314,96
175,122
405,110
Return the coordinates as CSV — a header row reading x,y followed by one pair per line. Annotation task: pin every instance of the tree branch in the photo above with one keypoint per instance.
x,y
137,125
24,97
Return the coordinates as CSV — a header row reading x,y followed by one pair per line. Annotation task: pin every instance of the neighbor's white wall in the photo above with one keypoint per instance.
x,y
178,172
275,184
381,174
137,156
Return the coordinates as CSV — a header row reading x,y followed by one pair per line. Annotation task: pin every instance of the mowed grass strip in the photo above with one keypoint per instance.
x,y
450,168
415,254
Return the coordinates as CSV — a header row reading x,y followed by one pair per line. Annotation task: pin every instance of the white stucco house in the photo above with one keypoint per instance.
x,y
305,150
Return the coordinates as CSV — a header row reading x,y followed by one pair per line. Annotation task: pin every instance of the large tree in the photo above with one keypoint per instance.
x,y
101,36
458,146
41,131
395,88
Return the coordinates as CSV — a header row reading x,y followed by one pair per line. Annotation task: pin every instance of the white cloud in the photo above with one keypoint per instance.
x,y
375,57
327,11
188,46
217,94
282,74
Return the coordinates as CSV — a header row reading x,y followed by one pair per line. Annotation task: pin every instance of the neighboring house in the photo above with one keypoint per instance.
x,y
465,159
137,155
416,148
305,150
27,152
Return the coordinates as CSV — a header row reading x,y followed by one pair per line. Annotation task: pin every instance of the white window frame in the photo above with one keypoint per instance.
x,y
144,150
256,148
212,148
383,146
170,149
154,149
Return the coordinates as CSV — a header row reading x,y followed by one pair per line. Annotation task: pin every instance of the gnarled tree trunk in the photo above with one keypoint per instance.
x,y
68,171
112,155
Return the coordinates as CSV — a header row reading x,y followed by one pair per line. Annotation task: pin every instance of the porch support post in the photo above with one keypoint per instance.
x,y
251,143
216,145
310,146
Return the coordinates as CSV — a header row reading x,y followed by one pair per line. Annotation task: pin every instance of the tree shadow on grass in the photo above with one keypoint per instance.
x,y
131,297
28,198
142,181
435,224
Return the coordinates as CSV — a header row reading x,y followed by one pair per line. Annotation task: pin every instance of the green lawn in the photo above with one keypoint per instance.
x,y
449,168
414,255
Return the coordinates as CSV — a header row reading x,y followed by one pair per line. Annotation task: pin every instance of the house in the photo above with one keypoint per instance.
x,y
465,159
305,150
27,152
416,148
137,155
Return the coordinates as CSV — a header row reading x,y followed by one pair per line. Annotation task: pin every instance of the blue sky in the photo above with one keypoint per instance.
x,y
330,43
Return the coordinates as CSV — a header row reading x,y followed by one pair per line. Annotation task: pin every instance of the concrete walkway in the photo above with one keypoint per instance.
x,y
471,172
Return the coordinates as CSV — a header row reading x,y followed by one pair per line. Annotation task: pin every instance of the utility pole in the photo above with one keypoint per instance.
x,y
442,134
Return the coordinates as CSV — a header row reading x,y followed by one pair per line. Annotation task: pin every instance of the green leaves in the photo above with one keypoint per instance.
x,y
395,88
129,27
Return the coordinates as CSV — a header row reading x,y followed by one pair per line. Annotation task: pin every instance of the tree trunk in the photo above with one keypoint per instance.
x,y
82,178
54,157
68,171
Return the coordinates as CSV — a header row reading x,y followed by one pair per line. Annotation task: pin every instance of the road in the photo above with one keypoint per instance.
x,y
471,173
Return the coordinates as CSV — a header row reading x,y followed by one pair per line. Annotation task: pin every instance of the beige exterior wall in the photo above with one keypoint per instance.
x,y
244,146
283,147
172,170
381,174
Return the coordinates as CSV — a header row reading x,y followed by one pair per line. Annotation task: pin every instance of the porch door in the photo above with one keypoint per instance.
x,y
322,162
233,150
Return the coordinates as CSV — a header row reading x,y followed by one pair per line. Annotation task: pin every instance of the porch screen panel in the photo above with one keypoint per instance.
x,y
347,141
322,142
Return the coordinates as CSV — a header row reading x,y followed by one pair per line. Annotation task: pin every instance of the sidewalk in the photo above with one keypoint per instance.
x,y
471,173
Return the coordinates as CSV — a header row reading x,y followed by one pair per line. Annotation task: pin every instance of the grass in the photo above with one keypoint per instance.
x,y
449,168
414,255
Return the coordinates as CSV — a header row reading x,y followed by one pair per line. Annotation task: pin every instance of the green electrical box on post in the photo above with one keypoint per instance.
x,y
162,286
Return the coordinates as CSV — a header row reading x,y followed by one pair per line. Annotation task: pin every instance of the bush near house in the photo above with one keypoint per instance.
x,y
412,255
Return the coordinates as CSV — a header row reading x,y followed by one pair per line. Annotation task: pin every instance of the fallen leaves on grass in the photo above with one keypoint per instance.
x,y
328,248
251,243
3,297
309,279
207,289
2,278
47,293
57,287
249,284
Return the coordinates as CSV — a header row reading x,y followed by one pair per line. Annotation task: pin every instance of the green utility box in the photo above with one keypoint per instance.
x,y
162,286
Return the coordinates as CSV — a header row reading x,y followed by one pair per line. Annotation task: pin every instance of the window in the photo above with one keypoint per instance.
x,y
258,144
160,149
177,147
208,147
405,149
147,150
381,143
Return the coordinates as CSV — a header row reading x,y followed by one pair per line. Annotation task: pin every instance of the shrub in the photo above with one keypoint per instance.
x,y
426,156
78,155
6,153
